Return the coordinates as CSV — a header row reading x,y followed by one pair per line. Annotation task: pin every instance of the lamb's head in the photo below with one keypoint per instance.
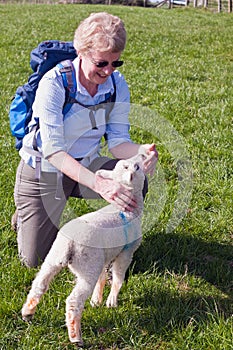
x,y
127,172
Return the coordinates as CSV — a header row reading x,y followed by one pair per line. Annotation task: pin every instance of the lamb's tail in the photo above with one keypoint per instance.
x,y
61,251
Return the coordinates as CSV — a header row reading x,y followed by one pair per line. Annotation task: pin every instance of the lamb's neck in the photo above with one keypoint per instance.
x,y
139,209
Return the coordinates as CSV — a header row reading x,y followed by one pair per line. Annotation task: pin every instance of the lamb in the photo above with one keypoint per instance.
x,y
87,245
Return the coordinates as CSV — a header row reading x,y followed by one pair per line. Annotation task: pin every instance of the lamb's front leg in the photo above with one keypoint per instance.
x,y
39,287
118,276
119,268
97,295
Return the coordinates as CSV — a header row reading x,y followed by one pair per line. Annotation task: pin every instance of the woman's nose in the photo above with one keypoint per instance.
x,y
108,69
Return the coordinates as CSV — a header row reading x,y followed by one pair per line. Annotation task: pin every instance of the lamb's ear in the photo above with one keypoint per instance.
x,y
141,153
106,174
139,158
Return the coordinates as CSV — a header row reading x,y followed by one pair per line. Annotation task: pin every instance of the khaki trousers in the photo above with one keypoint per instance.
x,y
39,209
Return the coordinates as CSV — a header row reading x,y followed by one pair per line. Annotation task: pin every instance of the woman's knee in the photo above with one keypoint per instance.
x,y
34,243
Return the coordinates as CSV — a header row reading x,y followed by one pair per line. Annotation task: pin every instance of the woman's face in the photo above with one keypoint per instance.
x,y
92,68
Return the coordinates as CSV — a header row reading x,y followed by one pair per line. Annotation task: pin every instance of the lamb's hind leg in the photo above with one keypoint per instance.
x,y
87,266
39,287
57,258
75,305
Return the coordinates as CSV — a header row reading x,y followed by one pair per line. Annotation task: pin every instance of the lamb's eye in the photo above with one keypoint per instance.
x,y
136,167
126,167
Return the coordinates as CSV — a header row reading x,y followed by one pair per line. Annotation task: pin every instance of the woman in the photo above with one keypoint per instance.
x,y
70,144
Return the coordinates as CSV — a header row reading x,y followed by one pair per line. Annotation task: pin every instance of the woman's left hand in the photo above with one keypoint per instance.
x,y
151,154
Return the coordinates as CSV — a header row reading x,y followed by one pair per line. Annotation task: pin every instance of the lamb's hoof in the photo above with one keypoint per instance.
x,y
95,303
27,318
79,344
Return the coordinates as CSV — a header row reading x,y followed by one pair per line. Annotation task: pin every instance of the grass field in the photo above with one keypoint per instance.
x,y
178,295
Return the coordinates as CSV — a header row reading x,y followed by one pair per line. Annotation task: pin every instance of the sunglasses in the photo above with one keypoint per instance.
x,y
102,64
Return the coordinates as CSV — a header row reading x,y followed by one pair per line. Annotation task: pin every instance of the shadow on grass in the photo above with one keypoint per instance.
x,y
159,311
190,256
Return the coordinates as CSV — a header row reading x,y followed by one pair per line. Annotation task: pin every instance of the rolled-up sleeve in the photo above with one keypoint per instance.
x,y
118,126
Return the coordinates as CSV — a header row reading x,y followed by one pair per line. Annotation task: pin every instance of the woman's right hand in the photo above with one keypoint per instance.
x,y
114,193
110,190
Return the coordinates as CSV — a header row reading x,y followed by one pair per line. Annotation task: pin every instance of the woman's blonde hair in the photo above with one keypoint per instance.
x,y
100,32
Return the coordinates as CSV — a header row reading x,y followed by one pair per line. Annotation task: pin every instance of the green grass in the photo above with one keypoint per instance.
x,y
178,294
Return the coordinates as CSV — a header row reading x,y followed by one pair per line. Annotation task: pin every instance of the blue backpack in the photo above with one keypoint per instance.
x,y
44,57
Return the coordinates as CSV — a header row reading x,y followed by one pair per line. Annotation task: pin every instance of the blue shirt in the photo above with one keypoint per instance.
x,y
74,133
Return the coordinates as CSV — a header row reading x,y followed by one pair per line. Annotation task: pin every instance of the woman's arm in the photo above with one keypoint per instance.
x,y
127,149
72,168
111,191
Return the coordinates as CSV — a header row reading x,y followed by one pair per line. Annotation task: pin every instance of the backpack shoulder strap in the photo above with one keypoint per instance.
x,y
108,96
67,71
113,96
69,81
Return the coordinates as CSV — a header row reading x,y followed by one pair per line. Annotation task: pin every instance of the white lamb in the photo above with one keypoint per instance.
x,y
87,245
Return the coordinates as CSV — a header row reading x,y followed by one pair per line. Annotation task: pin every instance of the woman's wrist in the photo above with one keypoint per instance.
x,y
73,169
